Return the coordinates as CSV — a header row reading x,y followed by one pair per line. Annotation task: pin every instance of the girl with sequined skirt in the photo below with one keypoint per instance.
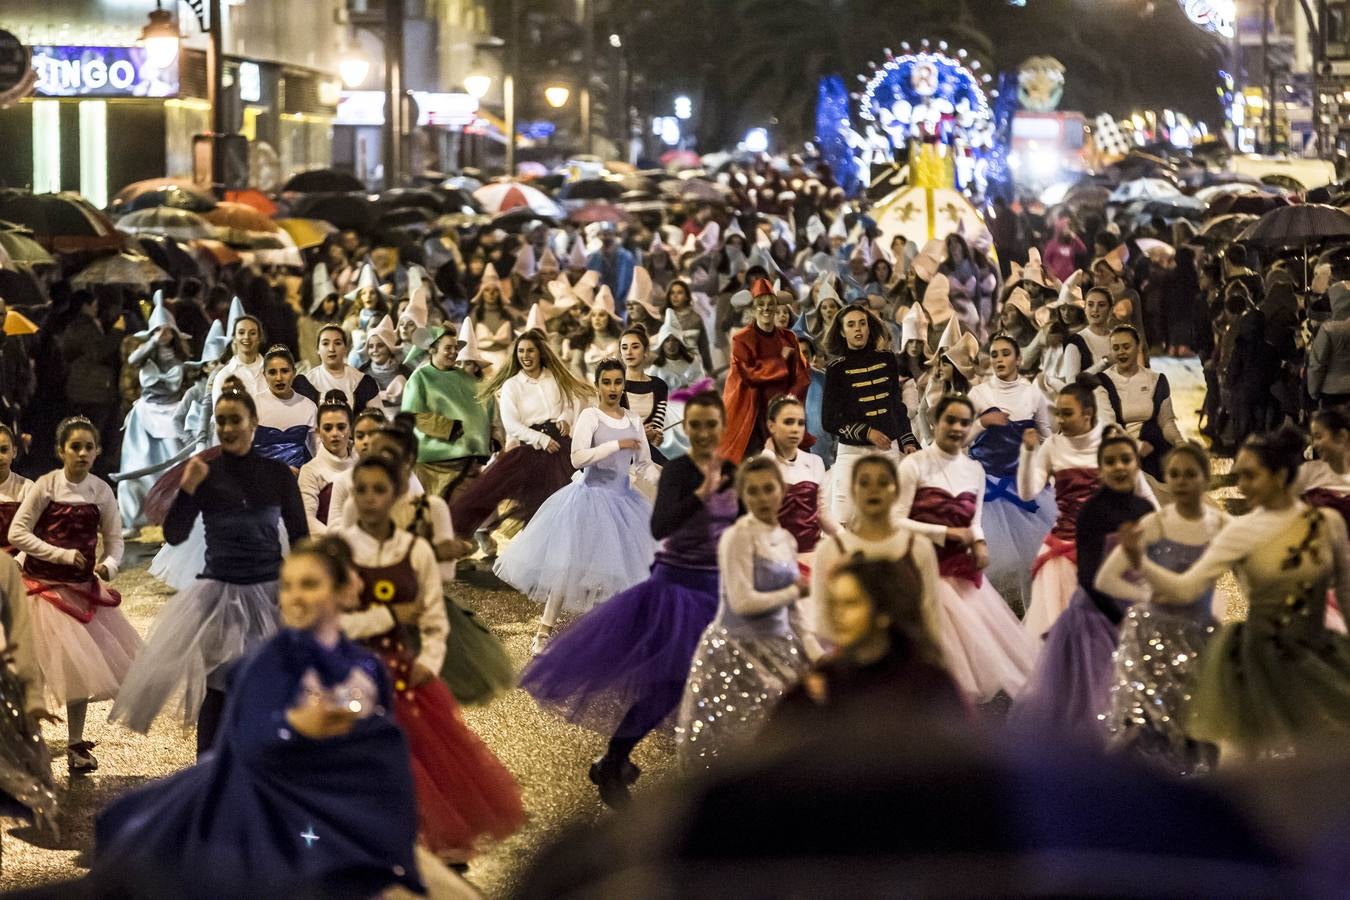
x,y
1161,644
751,654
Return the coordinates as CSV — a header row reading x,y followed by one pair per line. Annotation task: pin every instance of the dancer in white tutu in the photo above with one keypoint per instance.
x,y
84,645
1070,458
242,498
1006,405
590,540
942,497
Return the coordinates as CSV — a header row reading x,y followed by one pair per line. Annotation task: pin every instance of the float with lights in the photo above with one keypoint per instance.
x,y
927,110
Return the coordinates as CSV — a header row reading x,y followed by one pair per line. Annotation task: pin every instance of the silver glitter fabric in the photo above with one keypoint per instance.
x,y
25,766
1155,663
734,682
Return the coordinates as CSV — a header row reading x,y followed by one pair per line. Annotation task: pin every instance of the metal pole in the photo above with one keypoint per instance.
x,y
587,67
1270,76
509,84
393,92
215,77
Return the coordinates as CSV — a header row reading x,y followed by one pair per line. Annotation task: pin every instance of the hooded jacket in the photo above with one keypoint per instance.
x,y
1329,356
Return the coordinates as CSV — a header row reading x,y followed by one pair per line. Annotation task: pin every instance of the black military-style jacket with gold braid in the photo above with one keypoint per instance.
x,y
862,391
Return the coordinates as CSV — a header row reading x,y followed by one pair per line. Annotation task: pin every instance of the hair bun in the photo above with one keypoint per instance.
x,y
334,398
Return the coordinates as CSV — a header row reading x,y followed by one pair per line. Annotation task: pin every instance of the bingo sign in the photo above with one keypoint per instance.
x,y
101,72
16,72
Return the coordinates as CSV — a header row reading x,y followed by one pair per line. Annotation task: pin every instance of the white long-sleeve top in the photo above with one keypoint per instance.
x,y
808,468
1312,475
403,514
54,488
1165,523
746,539
251,374
1136,404
586,452
273,412
1018,398
524,401
1099,345
322,470
1060,451
1059,366
433,625
14,488
901,543
341,508
346,381
1245,536
956,474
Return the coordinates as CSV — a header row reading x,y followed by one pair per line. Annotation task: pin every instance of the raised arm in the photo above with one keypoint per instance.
x,y
736,560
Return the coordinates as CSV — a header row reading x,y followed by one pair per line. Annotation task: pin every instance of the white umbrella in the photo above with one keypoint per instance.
x,y
179,224
1144,189
504,196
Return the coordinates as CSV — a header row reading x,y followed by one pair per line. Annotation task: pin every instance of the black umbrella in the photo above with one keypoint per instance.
x,y
173,197
1225,229
411,198
1249,203
513,221
20,288
170,256
342,210
592,189
458,200
1298,226
52,214
405,217
323,181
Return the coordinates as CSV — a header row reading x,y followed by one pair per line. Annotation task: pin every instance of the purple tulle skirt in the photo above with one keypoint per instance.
x,y
1070,689
630,652
522,476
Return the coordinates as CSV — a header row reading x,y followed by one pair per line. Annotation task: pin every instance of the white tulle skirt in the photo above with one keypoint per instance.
x,y
1014,536
81,661
585,545
200,629
984,646
178,565
1051,591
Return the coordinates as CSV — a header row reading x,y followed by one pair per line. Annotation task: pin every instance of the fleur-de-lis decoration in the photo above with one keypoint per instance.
x,y
908,211
952,212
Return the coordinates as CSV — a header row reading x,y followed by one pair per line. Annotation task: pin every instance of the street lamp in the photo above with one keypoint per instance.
x,y
557,94
478,84
353,68
160,36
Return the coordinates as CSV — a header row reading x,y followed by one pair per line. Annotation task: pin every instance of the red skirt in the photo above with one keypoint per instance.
x,y
523,477
463,791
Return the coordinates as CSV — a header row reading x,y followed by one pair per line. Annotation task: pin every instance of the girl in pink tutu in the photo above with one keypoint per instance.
x,y
942,498
13,486
84,644
1070,459
463,792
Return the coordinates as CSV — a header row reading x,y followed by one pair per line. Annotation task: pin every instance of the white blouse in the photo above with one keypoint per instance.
x,y
583,435
1060,451
324,381
1018,398
54,488
251,374
809,469
1136,404
1165,523
282,414
524,401
746,539
901,543
433,625
14,488
956,475
322,470
1314,474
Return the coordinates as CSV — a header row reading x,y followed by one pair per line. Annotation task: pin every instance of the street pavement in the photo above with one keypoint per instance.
x,y
548,757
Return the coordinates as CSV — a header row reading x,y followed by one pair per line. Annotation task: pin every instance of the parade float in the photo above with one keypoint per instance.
x,y
922,118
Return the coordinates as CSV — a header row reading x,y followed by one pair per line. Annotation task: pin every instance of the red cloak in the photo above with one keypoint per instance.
x,y
758,374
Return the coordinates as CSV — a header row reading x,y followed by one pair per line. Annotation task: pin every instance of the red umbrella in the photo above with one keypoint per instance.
x,y
254,198
598,212
681,159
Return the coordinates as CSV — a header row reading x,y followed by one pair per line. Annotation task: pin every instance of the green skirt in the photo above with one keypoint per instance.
x,y
477,668
1268,682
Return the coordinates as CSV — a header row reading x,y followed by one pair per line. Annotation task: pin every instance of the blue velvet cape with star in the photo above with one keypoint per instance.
x,y
270,812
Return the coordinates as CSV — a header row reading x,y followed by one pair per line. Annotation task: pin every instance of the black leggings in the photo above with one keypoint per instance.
x,y
641,719
208,720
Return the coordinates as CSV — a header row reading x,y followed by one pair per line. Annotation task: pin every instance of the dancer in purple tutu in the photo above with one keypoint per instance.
x,y
621,668
1070,689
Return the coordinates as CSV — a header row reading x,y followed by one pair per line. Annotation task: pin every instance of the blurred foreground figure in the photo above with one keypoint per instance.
x,y
919,807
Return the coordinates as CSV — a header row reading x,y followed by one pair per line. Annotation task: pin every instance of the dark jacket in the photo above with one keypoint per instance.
x,y
92,360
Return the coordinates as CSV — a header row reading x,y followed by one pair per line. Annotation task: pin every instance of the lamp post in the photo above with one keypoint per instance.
x,y
394,104
557,95
207,13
